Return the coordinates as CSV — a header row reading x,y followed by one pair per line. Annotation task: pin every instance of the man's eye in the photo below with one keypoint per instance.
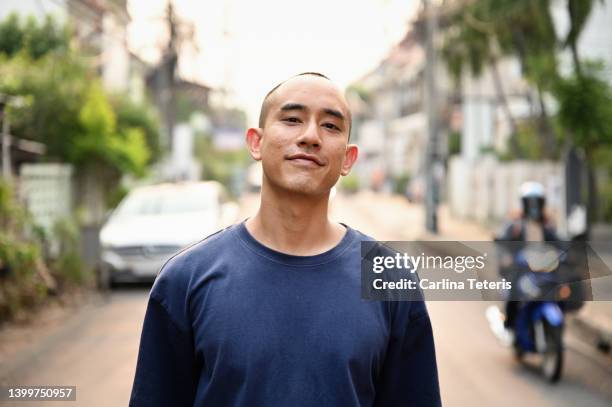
x,y
291,120
331,126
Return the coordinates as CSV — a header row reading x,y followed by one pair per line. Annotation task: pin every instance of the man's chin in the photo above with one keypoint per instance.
x,y
306,188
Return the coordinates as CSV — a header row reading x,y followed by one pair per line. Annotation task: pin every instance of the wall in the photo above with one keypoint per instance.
x,y
488,190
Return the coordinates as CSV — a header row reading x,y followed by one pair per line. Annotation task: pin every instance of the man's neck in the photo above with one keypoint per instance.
x,y
294,224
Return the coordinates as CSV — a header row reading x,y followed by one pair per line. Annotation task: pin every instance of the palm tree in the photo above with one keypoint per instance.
x,y
484,31
471,43
579,12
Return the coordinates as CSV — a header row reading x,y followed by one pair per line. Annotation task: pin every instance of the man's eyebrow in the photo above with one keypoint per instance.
x,y
292,106
335,113
297,106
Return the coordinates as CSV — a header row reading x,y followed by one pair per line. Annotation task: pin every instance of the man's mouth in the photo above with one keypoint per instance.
x,y
306,159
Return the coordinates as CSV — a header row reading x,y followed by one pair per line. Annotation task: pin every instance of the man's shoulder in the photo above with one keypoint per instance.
x,y
206,246
361,236
185,265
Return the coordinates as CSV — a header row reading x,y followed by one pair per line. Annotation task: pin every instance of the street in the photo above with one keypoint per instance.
x,y
95,348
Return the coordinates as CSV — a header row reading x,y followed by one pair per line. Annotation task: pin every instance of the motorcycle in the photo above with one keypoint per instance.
x,y
539,321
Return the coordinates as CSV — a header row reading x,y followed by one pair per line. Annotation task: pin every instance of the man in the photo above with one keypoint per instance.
x,y
268,312
530,225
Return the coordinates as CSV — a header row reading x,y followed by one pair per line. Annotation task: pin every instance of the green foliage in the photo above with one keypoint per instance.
x,y
68,264
67,109
33,38
11,35
485,30
127,152
349,183
97,119
141,116
529,142
467,43
55,88
579,12
13,217
525,29
585,107
603,158
70,113
454,143
400,184
116,196
20,285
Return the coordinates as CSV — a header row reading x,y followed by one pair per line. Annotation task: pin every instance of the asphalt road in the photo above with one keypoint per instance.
x,y
95,349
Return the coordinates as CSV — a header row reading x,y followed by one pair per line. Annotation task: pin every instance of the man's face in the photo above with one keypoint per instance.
x,y
303,145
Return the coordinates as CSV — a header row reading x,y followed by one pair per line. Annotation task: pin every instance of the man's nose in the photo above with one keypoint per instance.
x,y
310,136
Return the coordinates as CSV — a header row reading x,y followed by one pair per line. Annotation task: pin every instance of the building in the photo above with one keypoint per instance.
x,y
390,120
100,31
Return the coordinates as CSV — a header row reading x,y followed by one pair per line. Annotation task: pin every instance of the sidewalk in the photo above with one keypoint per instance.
x,y
593,322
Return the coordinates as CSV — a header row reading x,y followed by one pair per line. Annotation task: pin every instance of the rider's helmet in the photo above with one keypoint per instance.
x,y
533,200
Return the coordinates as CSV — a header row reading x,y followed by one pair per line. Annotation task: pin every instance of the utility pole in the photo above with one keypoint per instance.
x,y
169,65
165,77
6,142
432,164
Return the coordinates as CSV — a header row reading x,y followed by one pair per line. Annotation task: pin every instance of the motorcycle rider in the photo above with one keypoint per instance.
x,y
531,224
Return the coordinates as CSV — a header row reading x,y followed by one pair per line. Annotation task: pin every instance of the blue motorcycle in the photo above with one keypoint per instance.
x,y
538,321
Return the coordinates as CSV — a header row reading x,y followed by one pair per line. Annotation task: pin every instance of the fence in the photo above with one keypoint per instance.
x,y
487,190
47,192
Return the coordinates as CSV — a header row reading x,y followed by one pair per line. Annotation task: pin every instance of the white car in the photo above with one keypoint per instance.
x,y
152,223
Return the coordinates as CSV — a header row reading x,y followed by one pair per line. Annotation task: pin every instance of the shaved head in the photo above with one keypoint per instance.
x,y
268,99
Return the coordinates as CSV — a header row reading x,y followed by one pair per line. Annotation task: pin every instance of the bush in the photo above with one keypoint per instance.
x,y
20,284
454,143
400,184
68,265
25,280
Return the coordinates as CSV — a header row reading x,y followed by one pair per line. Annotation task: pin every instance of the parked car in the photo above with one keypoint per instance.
x,y
152,223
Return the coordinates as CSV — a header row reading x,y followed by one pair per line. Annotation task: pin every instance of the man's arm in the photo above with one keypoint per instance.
x,y
409,376
168,368
166,372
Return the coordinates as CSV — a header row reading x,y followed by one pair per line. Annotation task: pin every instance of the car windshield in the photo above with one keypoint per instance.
x,y
166,202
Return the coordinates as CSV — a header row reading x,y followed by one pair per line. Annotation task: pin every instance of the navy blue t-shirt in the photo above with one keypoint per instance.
x,y
231,322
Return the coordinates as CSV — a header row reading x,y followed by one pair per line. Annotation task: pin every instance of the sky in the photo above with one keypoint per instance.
x,y
247,47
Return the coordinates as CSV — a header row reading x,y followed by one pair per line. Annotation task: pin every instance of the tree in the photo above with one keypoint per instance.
x,y
36,40
100,141
525,29
471,42
138,115
55,88
578,12
67,108
486,30
584,100
585,113
103,154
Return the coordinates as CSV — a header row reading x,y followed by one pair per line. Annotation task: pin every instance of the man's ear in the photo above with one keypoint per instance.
x,y
253,140
350,156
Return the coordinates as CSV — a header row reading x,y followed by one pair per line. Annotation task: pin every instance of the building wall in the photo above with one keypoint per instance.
x,y
115,59
488,191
